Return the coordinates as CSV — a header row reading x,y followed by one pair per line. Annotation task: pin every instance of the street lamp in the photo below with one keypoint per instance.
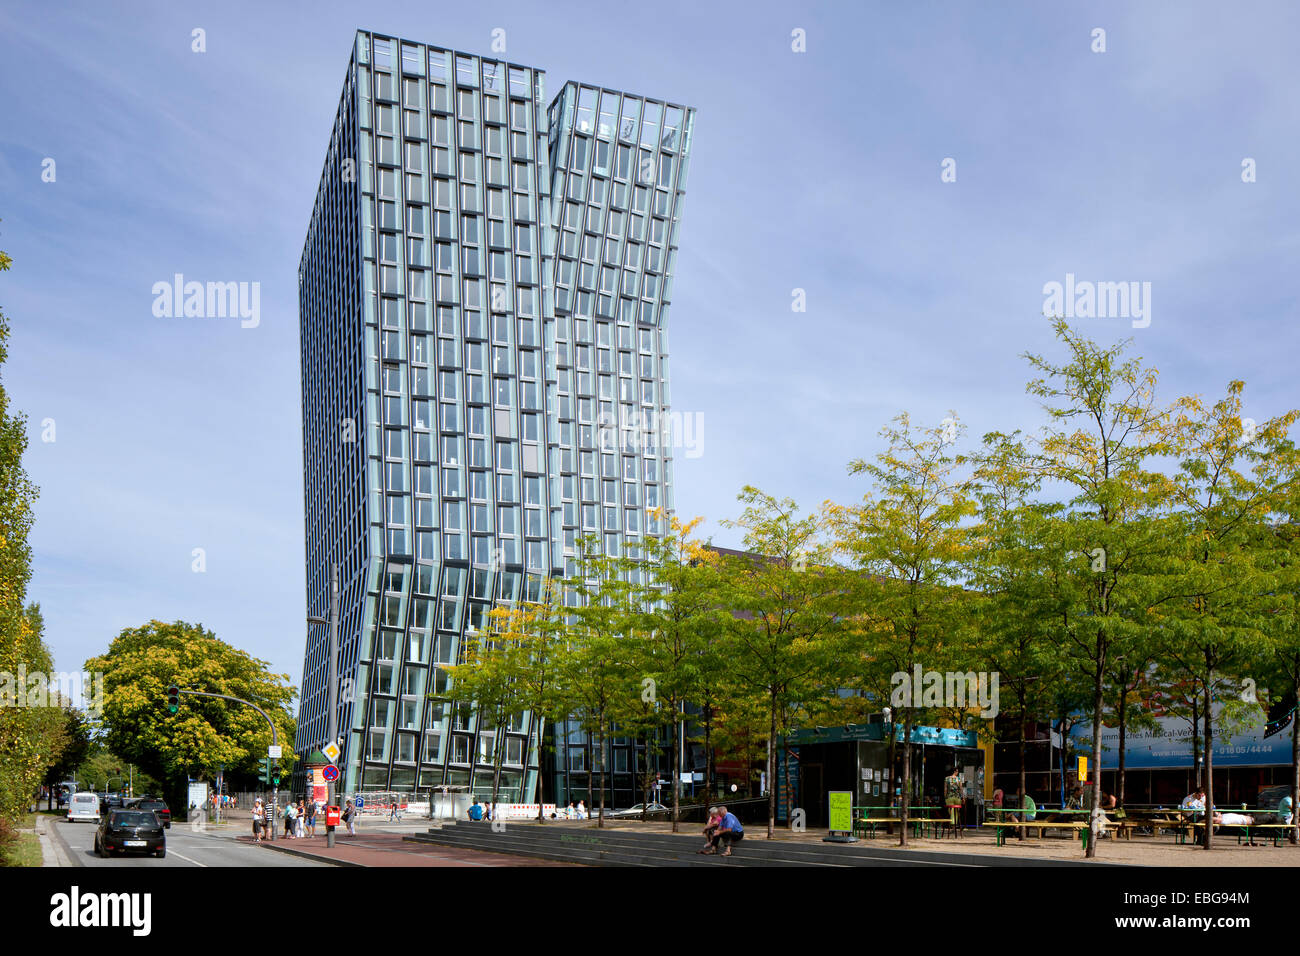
x,y
333,730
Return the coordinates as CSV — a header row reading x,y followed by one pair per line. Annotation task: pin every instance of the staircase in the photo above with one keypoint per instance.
x,y
584,844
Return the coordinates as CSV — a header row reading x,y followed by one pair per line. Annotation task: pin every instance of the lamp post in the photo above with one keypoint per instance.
x,y
333,686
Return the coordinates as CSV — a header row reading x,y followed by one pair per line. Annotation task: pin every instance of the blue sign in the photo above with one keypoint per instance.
x,y
1170,745
330,773
359,802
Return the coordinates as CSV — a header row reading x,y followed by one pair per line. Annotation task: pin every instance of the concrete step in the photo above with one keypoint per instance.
x,y
629,847
624,849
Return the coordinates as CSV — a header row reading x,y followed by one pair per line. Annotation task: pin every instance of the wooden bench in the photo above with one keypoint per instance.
x,y
1004,825
917,824
1249,831
868,825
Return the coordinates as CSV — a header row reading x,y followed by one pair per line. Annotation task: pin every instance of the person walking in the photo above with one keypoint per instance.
x,y
311,818
350,818
290,814
259,821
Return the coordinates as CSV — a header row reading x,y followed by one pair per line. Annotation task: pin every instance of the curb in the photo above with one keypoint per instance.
x,y
54,852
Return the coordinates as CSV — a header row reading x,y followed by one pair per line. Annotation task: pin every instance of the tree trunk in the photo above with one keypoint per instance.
x,y
1209,766
771,766
600,819
1020,831
1123,720
1295,769
677,777
1196,741
708,752
1098,702
539,724
906,787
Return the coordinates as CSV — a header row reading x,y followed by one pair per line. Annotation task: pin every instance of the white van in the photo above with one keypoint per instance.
x,y
84,806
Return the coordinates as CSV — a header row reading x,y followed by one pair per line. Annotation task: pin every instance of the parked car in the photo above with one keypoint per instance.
x,y
124,831
84,806
159,807
635,810
1269,797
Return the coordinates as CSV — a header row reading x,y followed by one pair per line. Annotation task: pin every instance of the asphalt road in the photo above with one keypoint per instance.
x,y
185,847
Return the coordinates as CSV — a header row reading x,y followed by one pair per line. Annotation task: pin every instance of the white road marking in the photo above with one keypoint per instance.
x,y
185,858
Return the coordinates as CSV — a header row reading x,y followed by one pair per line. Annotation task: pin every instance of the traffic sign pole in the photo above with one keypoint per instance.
x,y
333,724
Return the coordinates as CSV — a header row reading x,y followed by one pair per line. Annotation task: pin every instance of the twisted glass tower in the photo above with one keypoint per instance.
x,y
483,297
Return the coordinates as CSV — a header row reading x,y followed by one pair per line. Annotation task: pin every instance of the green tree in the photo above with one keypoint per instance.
x,y
599,664
1104,432
77,730
205,733
787,601
31,737
906,538
1015,572
677,622
1218,610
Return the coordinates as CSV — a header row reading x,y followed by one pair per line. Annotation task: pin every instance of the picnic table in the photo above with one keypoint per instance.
x,y
872,817
1182,820
1002,825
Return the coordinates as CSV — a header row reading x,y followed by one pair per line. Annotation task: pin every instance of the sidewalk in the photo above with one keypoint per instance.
x,y
387,848
53,852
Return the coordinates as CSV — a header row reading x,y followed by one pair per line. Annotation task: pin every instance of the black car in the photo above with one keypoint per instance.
x,y
159,807
1270,797
126,831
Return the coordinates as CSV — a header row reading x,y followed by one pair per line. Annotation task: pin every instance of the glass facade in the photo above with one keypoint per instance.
x,y
483,297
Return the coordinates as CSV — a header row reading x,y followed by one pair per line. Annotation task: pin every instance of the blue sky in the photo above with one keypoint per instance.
x,y
817,170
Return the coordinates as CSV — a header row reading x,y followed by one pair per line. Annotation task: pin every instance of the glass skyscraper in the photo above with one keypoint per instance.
x,y
484,294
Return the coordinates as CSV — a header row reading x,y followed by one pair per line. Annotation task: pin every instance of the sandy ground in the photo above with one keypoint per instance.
x,y
1139,851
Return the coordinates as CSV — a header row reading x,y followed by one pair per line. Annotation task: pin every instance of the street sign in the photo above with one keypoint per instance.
x,y
360,802
330,773
331,751
275,750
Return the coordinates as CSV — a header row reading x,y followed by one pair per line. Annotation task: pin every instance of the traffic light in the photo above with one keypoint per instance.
x,y
173,699
275,774
265,763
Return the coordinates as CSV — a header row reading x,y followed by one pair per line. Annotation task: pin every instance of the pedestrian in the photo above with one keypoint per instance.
x,y
729,832
290,815
350,818
311,818
1284,809
582,810
954,795
259,821
301,820
710,827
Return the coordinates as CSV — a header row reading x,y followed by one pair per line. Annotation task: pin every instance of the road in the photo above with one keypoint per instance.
x,y
185,847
